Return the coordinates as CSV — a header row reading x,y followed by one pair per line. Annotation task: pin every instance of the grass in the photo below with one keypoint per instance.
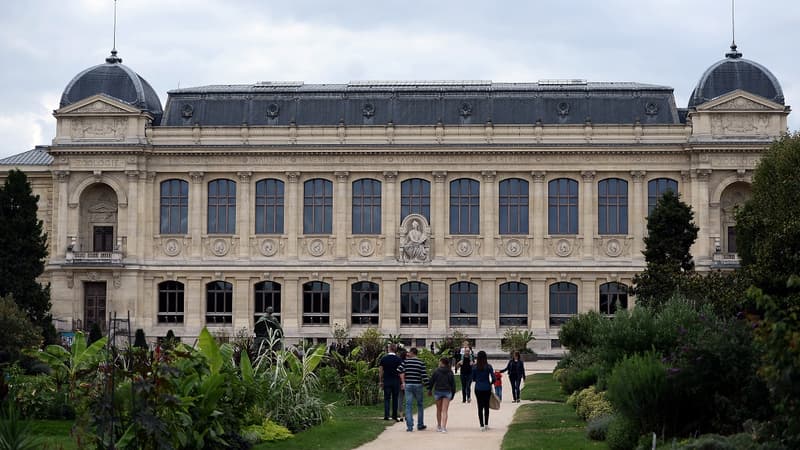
x,y
547,425
54,434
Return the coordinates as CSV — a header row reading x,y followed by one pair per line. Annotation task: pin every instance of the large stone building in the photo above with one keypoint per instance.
x,y
415,207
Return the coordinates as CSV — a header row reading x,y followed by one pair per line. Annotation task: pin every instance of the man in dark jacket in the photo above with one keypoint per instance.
x,y
389,371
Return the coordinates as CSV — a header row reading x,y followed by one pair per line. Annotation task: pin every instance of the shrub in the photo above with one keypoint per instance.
x,y
516,340
637,388
372,345
360,382
741,441
431,360
580,332
37,396
329,379
597,428
268,431
591,404
622,433
578,370
15,433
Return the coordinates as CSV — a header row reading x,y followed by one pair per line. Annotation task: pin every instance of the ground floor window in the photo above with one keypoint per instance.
x,y
563,302
612,296
170,302
219,302
414,303
364,310
463,304
514,304
316,303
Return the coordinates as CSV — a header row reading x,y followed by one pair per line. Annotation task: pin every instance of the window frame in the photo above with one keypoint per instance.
x,y
513,205
413,300
507,297
568,294
318,206
662,184
174,203
219,291
416,198
221,206
608,306
461,293
465,206
265,294
171,302
316,293
269,206
366,207
612,207
560,204
362,313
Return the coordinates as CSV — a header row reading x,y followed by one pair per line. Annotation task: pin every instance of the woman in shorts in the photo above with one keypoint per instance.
x,y
443,387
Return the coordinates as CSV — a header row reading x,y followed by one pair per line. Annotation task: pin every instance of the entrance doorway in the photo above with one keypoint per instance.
x,y
103,239
94,304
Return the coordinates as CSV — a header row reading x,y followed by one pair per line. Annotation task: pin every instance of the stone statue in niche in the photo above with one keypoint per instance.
x,y
415,239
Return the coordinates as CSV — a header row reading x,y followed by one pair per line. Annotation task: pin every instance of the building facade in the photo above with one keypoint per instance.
x,y
418,208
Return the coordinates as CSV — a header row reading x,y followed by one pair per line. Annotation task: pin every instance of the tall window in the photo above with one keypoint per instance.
x,y
366,207
267,295
611,295
563,302
514,304
174,207
465,201
415,198
612,202
222,207
316,303
463,304
513,206
364,303
219,302
170,302
562,201
413,303
269,206
317,206
656,188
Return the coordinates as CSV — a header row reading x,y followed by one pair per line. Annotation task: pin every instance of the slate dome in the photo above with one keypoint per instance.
x,y
115,80
735,72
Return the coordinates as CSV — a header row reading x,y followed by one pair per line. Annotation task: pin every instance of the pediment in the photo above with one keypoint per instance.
x,y
741,101
98,104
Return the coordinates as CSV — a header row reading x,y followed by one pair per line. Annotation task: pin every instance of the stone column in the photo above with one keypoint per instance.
x,y
638,216
588,218
439,210
487,306
389,307
150,211
243,213
145,312
195,304
134,211
537,304
340,301
196,216
341,212
438,306
587,296
700,204
242,299
488,213
291,306
61,216
539,219
390,214
293,210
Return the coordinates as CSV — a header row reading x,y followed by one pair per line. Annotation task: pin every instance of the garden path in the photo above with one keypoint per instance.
x,y
463,431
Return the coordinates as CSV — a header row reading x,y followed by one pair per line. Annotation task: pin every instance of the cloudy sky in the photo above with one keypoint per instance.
x,y
44,43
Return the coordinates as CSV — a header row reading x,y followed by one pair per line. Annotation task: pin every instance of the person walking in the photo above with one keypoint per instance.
x,y
516,373
389,378
414,376
443,388
401,400
498,384
465,365
483,376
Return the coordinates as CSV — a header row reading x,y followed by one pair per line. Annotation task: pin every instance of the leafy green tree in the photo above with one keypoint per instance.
x,y
768,240
670,235
18,331
24,247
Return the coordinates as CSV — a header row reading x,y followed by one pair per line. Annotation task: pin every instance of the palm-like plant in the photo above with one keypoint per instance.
x,y
70,365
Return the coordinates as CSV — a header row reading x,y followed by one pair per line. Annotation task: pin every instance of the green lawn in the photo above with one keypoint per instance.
x,y
547,425
54,434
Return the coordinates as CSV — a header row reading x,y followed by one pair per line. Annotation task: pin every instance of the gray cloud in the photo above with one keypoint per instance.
x,y
44,43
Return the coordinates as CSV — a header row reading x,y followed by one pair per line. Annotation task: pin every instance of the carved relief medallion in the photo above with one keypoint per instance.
x,y
219,247
513,247
172,247
613,248
316,247
366,247
463,247
563,248
268,247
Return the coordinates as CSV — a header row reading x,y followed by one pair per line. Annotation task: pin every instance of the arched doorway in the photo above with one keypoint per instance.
x,y
98,219
734,196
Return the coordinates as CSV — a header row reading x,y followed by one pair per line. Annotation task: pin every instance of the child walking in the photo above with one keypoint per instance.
x,y
498,384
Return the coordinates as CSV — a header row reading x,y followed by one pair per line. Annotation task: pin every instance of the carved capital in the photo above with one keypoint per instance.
x,y
133,175
538,176
638,175
61,175
390,176
488,175
197,177
685,176
702,174
588,175
439,175
341,176
244,177
292,176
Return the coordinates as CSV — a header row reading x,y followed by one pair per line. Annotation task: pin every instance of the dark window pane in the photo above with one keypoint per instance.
x,y
464,206
174,207
317,206
562,208
656,188
269,206
513,206
222,207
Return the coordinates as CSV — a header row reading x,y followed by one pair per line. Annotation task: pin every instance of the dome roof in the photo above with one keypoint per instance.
x,y
115,80
735,72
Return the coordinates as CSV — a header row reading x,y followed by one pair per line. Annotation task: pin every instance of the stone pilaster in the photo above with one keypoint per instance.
x,y
293,210
439,210
538,304
390,212
341,212
244,213
700,204
588,217
389,306
197,218
242,303
539,219
638,214
61,216
488,213
487,306
587,295
291,305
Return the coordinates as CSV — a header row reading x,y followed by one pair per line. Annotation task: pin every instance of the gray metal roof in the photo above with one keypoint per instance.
x,y
36,157
459,102
732,73
116,80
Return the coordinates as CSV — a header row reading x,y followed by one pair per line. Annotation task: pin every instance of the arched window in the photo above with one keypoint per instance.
x,y
366,206
414,303
219,302
269,206
513,212
656,188
267,295
317,206
611,295
562,206
463,304
415,198
514,304
465,201
612,206
364,303
316,303
222,207
174,207
170,302
563,302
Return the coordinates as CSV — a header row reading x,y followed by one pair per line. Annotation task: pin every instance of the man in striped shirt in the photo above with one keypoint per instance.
x,y
415,376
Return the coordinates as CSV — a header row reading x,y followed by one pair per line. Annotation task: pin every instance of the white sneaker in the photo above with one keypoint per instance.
x,y
444,430
438,429
483,428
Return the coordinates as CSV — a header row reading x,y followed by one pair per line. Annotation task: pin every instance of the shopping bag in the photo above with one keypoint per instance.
x,y
494,401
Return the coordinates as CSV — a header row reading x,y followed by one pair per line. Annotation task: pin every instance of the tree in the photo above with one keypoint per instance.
x,y
140,341
18,332
768,239
670,235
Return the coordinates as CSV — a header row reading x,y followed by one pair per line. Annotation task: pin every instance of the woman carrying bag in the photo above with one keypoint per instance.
x,y
483,376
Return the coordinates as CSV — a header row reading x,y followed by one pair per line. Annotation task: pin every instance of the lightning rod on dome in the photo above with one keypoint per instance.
x,y
734,53
113,58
